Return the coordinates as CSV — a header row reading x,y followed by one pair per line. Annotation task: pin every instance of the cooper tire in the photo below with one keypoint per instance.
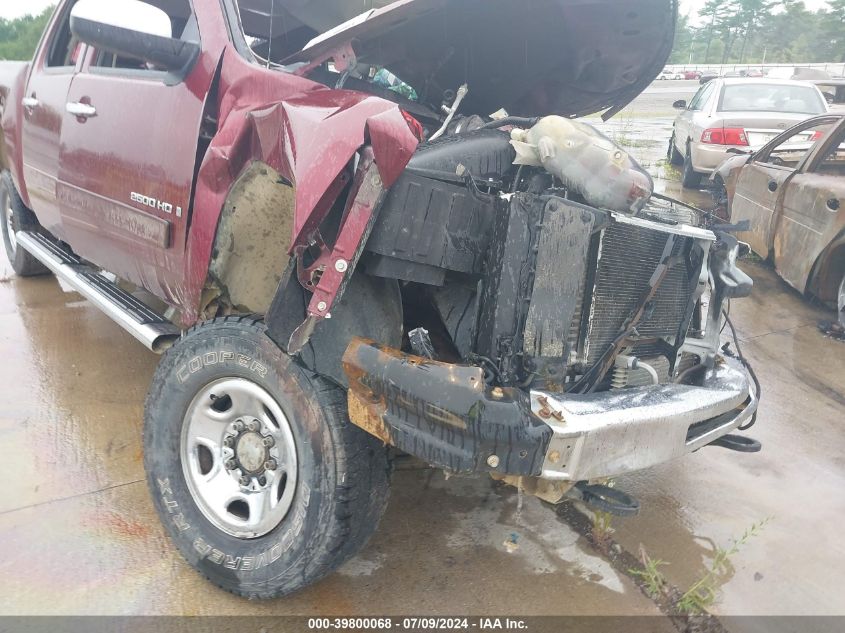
x,y
673,154
16,217
341,473
691,179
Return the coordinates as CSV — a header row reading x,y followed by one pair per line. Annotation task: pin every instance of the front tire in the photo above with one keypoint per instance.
x,y
254,468
16,217
691,179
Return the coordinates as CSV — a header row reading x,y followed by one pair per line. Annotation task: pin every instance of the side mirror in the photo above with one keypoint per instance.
x,y
133,29
680,104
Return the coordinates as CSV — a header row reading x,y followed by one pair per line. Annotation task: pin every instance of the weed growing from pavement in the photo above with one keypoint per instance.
x,y
704,592
602,530
653,579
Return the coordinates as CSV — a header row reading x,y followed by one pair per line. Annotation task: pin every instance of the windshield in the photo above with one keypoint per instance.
x,y
771,98
277,29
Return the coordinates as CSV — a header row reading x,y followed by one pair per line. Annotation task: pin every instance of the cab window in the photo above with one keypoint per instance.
x,y
184,26
64,49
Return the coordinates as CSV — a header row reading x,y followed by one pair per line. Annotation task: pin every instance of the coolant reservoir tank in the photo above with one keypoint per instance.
x,y
585,161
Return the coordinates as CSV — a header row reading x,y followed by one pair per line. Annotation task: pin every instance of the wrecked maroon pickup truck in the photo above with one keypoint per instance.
x,y
358,236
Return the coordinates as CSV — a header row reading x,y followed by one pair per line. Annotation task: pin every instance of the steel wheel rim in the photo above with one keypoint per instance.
x,y
221,456
9,218
841,301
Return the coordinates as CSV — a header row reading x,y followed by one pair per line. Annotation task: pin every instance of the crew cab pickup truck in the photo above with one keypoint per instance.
x,y
354,236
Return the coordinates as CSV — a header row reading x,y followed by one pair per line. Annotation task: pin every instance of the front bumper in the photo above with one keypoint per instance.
x,y
606,434
445,415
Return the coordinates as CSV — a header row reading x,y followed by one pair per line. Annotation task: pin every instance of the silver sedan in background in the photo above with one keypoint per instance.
x,y
741,113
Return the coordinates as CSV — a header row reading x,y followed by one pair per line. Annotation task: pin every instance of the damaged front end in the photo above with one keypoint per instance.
x,y
557,323
588,346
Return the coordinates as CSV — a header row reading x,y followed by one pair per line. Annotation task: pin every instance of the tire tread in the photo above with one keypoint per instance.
x,y
360,461
24,264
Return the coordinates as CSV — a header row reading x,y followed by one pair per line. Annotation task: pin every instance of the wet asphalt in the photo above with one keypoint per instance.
x,y
78,533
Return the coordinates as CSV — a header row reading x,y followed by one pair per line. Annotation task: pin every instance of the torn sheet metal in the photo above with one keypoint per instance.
x,y
309,137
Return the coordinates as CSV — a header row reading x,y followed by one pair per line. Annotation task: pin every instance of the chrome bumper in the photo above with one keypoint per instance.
x,y
605,434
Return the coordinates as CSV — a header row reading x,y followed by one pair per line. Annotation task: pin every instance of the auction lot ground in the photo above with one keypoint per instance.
x,y
78,534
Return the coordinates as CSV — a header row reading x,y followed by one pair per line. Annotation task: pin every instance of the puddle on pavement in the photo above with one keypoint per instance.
x,y
531,533
711,497
74,414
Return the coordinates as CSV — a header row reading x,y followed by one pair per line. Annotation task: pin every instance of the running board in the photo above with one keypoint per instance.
x,y
152,329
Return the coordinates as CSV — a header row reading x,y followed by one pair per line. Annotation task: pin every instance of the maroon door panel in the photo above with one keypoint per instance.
x,y
44,115
126,174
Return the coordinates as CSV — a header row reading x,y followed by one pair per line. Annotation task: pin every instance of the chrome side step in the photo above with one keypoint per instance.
x,y
152,329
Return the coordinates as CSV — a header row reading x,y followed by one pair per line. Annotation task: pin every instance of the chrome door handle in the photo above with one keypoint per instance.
x,y
29,102
81,110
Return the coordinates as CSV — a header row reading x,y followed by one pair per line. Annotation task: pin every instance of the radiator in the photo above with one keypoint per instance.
x,y
624,261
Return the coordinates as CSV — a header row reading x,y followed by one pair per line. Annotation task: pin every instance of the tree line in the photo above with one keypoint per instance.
x,y
19,37
761,31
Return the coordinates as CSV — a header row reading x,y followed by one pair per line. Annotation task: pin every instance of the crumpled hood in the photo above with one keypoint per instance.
x,y
532,57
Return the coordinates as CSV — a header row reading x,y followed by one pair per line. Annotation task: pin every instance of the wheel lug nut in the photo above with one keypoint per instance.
x,y
244,480
228,441
262,481
252,425
238,426
269,441
270,464
231,464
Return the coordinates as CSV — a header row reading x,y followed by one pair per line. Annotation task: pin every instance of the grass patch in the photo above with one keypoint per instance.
x,y
635,143
602,530
653,579
704,592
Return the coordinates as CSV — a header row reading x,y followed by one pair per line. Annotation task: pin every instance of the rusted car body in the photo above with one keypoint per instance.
x,y
833,90
792,192
430,240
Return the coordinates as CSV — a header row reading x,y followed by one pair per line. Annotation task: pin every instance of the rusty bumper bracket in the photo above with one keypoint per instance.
x,y
442,413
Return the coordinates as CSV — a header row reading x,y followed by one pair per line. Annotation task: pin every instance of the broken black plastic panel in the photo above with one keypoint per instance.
x,y
443,413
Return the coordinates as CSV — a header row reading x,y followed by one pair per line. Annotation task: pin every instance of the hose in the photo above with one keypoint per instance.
x,y
638,364
689,370
462,92
516,121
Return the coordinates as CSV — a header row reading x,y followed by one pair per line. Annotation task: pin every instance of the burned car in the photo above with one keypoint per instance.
x,y
367,234
792,194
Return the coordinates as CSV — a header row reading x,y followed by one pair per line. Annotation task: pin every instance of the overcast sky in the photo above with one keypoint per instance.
x,y
17,8
693,6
